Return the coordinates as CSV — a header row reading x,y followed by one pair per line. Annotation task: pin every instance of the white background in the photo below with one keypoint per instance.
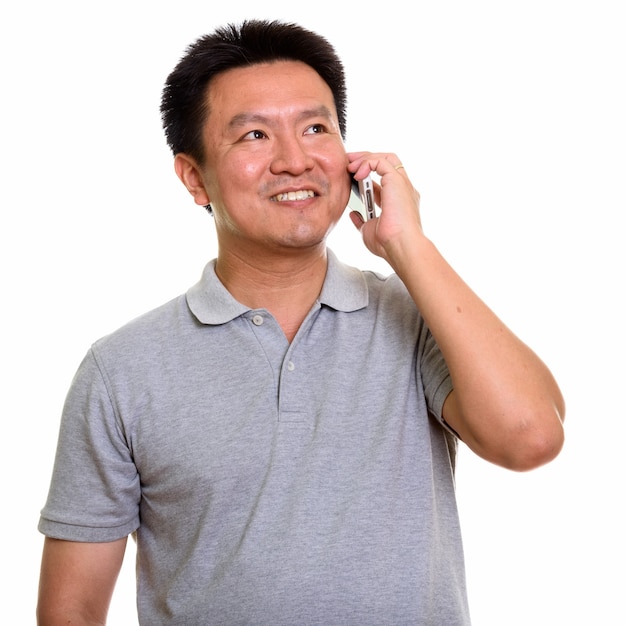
x,y
510,119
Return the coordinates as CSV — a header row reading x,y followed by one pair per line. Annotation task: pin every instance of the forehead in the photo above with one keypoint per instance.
x,y
270,88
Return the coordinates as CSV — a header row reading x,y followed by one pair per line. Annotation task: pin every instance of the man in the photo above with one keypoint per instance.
x,y
281,438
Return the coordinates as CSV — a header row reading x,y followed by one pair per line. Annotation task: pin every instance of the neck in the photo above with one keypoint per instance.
x,y
287,286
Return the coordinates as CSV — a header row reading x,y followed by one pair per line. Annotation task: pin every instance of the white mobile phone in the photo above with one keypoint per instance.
x,y
362,198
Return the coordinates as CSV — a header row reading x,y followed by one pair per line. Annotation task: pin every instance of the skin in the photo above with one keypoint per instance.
x,y
506,405
272,129
76,581
279,134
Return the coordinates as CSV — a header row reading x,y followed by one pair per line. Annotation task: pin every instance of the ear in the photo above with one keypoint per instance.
x,y
189,173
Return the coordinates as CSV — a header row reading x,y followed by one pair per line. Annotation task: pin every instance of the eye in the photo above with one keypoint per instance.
x,y
315,129
254,134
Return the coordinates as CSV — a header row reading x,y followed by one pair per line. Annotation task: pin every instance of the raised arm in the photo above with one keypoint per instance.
x,y
506,405
77,581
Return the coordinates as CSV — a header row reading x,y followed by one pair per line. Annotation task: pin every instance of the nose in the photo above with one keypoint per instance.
x,y
290,156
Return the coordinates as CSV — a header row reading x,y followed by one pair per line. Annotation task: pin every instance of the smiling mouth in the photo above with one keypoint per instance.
x,y
290,196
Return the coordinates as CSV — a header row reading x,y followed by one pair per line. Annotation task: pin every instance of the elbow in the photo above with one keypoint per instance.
x,y
535,453
534,442
520,436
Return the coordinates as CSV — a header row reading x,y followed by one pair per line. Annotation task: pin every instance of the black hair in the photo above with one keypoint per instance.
x,y
183,102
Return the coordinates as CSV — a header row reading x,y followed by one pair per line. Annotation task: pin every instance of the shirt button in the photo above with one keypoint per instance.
x,y
257,320
291,366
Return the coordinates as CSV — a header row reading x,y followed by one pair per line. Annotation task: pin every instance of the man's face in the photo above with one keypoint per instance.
x,y
275,164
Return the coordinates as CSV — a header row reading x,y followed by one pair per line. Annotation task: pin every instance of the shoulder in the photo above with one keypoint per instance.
x,y
145,340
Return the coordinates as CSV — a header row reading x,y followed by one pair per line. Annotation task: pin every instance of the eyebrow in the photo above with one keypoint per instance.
x,y
243,119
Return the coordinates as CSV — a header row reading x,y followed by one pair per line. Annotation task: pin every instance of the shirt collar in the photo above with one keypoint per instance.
x,y
344,289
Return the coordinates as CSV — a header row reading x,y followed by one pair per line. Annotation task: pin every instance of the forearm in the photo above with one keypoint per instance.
x,y
507,406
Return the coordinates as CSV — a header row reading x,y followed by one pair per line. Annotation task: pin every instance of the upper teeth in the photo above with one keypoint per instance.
x,y
302,194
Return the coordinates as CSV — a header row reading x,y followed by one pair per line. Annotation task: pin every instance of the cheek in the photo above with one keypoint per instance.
x,y
238,167
243,175
343,185
335,166
248,168
236,177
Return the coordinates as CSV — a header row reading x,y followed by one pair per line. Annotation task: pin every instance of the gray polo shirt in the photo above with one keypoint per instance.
x,y
269,482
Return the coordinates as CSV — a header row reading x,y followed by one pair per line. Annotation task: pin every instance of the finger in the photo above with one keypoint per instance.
x,y
356,219
384,163
363,163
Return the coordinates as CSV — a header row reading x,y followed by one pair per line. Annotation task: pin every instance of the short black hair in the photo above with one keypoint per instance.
x,y
183,102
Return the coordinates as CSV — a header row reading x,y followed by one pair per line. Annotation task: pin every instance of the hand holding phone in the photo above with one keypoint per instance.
x,y
362,198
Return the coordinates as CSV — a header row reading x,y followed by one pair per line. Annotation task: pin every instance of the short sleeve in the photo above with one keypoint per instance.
x,y
435,377
95,489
